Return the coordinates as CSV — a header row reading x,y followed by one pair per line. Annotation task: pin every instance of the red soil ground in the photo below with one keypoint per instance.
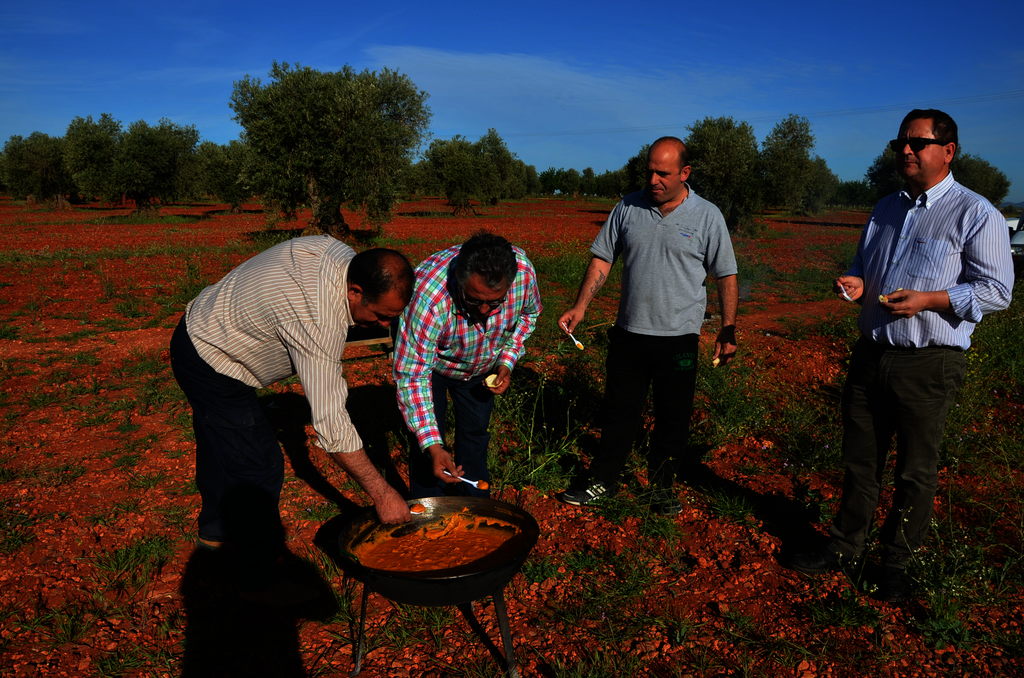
x,y
68,480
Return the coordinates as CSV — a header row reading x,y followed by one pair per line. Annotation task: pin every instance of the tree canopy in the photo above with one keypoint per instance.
x,y
980,176
144,163
724,158
222,171
786,164
153,161
484,170
330,138
34,166
90,153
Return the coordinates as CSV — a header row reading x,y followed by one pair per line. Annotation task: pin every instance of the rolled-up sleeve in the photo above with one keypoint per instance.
x,y
987,281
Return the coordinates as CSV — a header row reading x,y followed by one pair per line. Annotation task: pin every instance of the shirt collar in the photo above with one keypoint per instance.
x,y
927,198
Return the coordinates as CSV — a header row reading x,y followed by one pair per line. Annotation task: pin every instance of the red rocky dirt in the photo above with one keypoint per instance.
x,y
96,456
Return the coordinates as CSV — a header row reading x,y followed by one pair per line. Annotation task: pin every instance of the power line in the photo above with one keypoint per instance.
x,y
837,113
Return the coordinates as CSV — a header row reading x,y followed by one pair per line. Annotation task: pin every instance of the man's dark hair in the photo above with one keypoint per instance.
x,y
378,271
943,126
684,155
488,255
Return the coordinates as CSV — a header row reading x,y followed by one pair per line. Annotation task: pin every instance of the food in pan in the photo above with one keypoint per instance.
x,y
450,541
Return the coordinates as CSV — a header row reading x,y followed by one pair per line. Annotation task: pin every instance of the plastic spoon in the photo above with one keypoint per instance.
x,y
574,339
478,484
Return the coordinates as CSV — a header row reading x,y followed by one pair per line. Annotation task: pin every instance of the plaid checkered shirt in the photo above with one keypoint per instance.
x,y
435,336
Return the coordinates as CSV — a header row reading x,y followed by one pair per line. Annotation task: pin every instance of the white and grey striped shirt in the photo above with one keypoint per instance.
x,y
949,239
284,312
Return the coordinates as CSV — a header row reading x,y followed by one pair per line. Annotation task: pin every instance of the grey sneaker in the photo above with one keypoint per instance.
x,y
588,496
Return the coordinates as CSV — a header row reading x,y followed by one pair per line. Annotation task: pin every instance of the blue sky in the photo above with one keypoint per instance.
x,y
566,84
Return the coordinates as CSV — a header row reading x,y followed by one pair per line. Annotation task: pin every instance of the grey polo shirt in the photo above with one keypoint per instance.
x,y
665,262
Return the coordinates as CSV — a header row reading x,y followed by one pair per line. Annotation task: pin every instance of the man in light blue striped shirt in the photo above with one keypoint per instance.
x,y
932,260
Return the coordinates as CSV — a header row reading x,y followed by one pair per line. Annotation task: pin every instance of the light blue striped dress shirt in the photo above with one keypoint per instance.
x,y
949,239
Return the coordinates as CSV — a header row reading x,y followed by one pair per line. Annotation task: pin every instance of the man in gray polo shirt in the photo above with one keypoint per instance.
x,y
669,240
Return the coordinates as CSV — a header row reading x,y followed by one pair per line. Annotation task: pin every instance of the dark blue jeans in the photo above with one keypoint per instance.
x,y
237,453
636,364
890,393
472,404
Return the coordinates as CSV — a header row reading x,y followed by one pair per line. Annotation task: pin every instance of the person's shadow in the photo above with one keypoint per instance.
x,y
792,520
243,601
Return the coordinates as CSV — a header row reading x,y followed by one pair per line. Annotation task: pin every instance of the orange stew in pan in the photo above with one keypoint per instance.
x,y
453,540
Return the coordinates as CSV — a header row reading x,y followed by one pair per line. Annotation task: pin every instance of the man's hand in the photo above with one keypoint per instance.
x,y
502,379
725,346
908,303
391,508
443,461
568,321
851,285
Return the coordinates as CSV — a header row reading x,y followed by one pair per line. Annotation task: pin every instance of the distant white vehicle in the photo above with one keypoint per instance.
x,y
1017,250
1016,230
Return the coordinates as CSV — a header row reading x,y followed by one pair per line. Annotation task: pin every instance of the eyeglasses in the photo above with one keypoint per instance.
x,y
489,303
916,144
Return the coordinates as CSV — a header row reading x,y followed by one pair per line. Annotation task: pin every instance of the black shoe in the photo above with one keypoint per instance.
x,y
588,496
817,562
894,586
667,507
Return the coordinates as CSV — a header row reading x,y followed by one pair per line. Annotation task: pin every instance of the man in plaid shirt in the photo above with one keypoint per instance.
x,y
473,307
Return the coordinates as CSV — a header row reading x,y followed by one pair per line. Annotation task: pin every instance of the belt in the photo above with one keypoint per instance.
x,y
879,346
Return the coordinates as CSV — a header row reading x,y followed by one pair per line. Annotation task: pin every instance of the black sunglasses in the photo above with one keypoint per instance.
x,y
916,144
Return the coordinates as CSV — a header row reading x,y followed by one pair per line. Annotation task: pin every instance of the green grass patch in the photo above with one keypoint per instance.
x,y
133,565
16,526
143,218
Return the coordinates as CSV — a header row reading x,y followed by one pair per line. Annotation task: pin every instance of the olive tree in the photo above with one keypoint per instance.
x,y
331,138
90,153
821,187
145,163
724,158
882,176
456,167
786,163
221,171
486,170
980,176
853,194
153,160
34,167
505,174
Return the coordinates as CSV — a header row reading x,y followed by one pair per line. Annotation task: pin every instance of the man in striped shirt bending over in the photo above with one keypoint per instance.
x,y
474,306
285,311
932,260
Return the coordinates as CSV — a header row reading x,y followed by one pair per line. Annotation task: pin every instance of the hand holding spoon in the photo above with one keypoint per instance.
x,y
478,484
574,339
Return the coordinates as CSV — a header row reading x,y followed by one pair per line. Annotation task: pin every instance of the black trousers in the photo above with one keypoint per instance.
x,y
238,459
636,364
890,392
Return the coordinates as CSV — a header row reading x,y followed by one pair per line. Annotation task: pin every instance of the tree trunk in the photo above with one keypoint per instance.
x,y
327,217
